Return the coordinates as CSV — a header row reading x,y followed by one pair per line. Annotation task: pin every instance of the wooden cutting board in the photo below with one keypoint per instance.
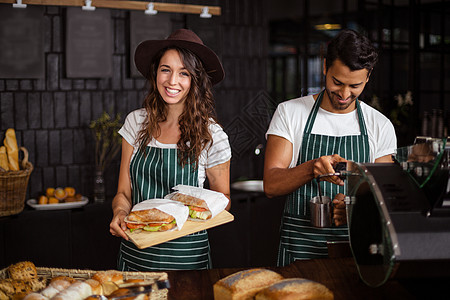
x,y
143,239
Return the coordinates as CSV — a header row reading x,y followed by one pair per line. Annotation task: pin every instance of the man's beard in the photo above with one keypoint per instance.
x,y
335,103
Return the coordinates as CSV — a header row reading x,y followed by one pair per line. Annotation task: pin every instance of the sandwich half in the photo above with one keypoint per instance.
x,y
198,209
150,220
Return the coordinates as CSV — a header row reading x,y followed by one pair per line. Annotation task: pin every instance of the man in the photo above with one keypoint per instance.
x,y
308,136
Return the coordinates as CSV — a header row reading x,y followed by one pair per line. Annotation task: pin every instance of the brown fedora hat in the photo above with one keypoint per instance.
x,y
182,38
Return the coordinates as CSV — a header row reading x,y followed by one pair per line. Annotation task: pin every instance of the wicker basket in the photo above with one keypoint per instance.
x,y
49,273
13,187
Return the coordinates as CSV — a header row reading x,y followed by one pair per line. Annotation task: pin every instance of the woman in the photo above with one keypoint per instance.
x,y
174,139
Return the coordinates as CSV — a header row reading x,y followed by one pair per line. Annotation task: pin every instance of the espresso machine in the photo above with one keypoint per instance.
x,y
399,222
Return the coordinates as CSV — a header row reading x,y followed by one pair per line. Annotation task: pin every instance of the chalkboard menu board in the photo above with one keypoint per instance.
x,y
88,43
21,42
146,27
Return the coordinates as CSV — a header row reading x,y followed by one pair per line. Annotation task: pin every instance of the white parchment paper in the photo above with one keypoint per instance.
x,y
216,201
174,208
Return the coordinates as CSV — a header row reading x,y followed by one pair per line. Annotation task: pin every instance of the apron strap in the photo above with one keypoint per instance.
x,y
313,114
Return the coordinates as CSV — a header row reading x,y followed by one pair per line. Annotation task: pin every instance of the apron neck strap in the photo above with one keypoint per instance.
x,y
315,109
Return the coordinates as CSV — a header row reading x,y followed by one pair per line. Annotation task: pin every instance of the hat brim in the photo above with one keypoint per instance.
x,y
146,50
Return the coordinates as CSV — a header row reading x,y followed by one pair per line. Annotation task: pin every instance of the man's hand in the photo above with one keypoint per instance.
x,y
339,211
325,165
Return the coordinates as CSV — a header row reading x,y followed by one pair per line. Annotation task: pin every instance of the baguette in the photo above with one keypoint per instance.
x,y
12,149
244,284
4,159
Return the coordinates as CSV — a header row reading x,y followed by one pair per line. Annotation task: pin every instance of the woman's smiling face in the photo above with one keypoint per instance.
x,y
172,78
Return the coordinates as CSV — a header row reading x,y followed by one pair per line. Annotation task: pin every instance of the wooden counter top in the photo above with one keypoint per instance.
x,y
338,274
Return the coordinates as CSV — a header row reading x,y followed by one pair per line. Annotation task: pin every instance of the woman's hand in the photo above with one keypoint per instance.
x,y
339,210
325,165
118,226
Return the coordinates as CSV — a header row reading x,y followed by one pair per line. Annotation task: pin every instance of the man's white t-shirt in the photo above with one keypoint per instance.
x,y
214,154
289,121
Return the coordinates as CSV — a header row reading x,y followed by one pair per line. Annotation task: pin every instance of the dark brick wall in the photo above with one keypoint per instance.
x,y
51,115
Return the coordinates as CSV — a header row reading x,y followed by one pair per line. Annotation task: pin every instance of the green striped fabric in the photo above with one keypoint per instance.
x,y
153,174
299,239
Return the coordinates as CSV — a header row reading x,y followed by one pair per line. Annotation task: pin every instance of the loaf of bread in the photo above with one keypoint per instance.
x,y
12,149
4,159
295,289
244,284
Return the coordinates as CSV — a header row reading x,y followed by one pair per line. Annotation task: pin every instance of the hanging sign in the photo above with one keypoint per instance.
x,y
22,42
88,43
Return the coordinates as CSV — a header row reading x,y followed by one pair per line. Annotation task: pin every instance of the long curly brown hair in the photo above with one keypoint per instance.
x,y
198,114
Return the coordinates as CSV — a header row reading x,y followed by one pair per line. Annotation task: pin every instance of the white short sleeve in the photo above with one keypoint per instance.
x,y
132,125
219,151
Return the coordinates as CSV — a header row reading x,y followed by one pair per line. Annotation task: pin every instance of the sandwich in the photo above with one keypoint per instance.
x,y
198,208
150,220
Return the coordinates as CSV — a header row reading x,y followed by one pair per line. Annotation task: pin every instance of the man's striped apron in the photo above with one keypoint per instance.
x,y
153,174
299,239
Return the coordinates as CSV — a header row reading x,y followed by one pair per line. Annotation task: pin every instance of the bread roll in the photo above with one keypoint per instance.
x,y
76,291
19,296
53,200
12,149
55,287
295,289
4,159
244,284
95,286
109,280
43,200
37,284
65,278
6,285
35,296
3,296
24,270
123,292
107,276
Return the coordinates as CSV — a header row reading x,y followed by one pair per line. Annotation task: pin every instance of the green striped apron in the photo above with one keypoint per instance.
x,y
299,239
153,174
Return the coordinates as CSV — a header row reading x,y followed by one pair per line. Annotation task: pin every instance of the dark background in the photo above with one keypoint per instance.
x,y
51,114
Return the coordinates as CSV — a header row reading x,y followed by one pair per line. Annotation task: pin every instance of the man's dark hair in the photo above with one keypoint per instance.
x,y
353,49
